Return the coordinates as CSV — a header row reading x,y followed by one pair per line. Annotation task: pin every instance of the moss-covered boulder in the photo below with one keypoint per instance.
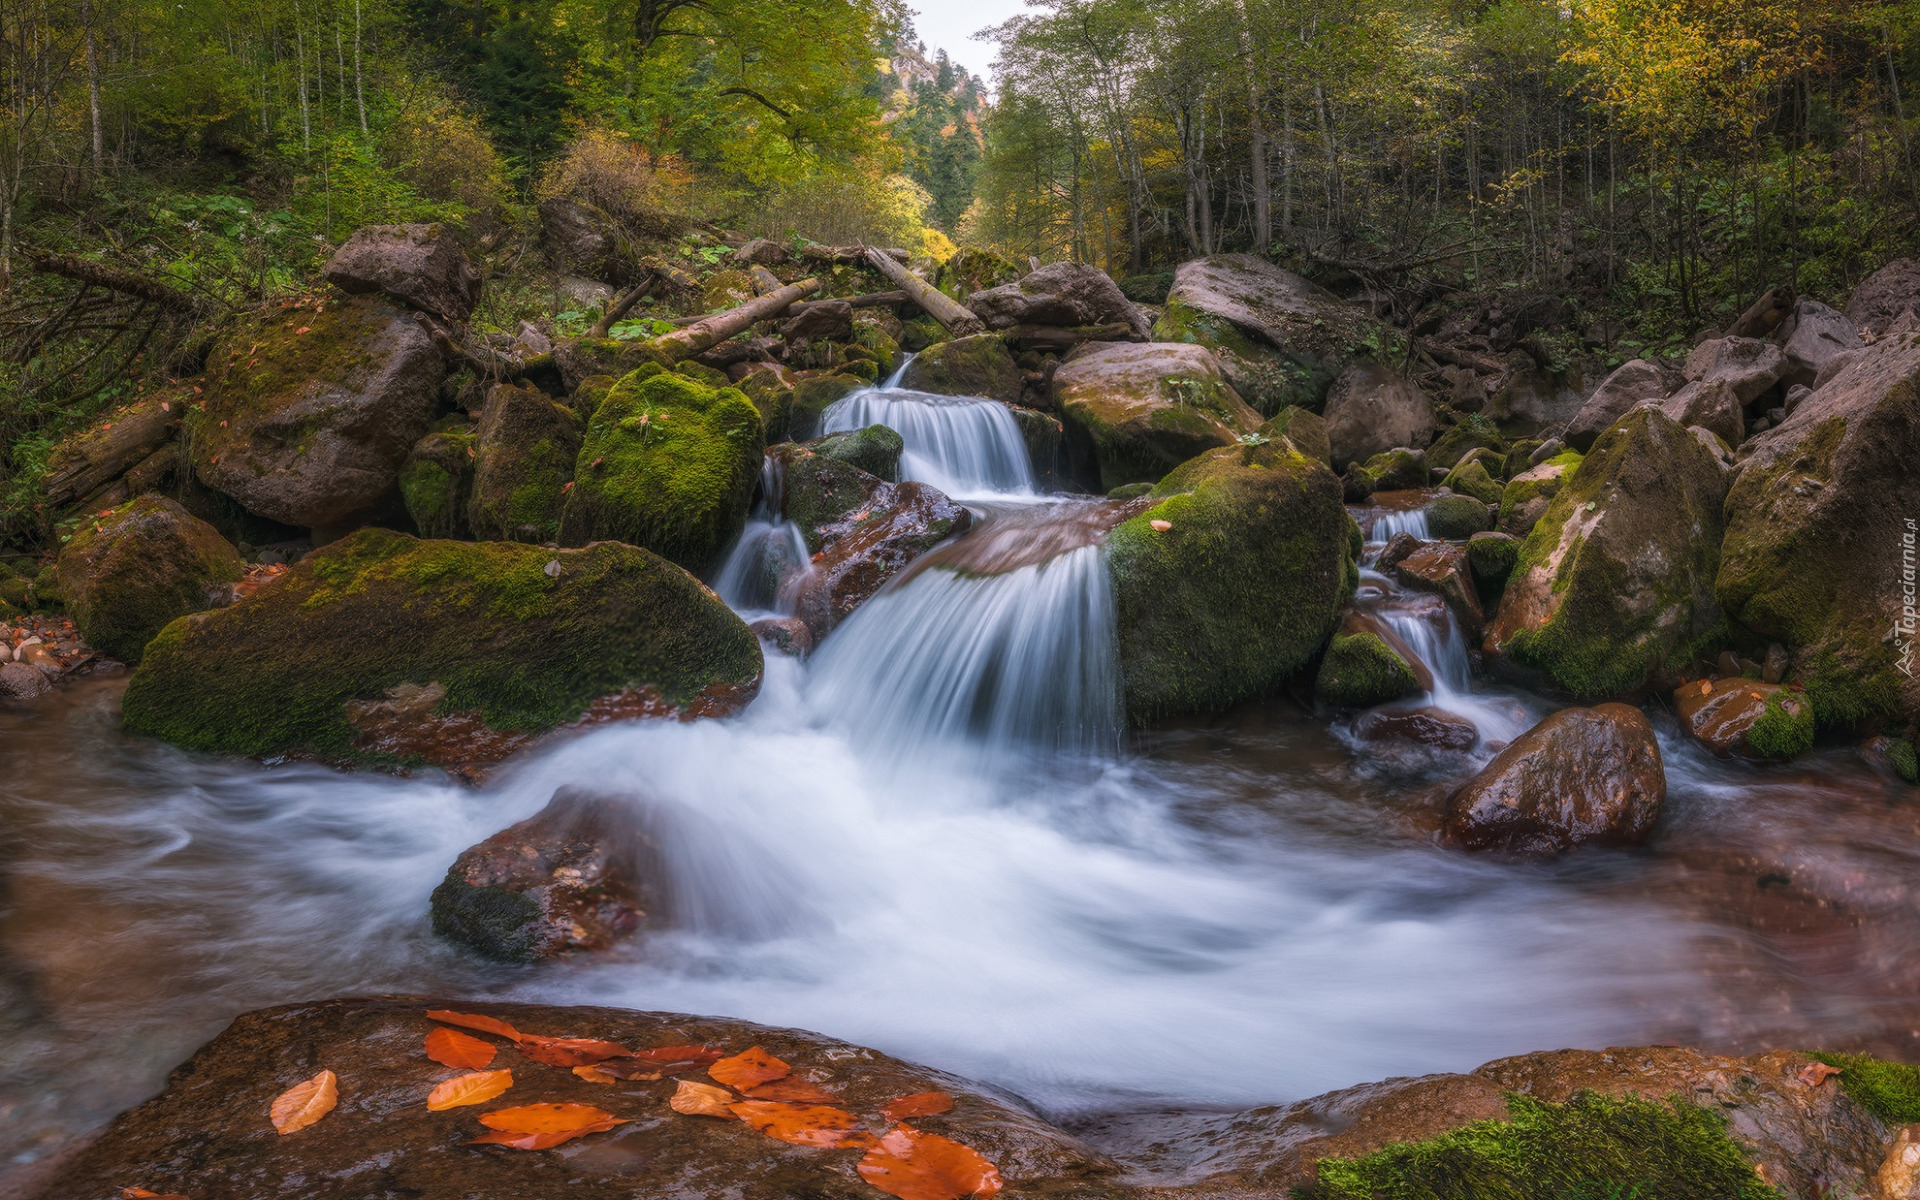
x,y
1746,717
525,452
973,269
436,483
1615,583
1306,430
1281,339
1360,670
580,359
1525,498
726,289
1462,438
307,418
878,333
1142,410
385,649
1045,437
1455,517
1820,529
127,574
875,450
1231,581
770,388
817,491
968,366
1472,479
668,464
1395,471
812,397
1492,556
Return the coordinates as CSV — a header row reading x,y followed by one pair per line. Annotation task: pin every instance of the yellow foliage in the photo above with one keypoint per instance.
x,y
611,171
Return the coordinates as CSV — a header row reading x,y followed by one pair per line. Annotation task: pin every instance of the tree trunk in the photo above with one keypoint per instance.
x,y
359,80
93,86
954,316
96,458
710,331
1257,136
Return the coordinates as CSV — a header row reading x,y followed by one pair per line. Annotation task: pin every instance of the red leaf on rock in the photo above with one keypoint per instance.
x,y
679,1054
473,1021
925,1166
920,1104
701,1100
568,1052
749,1068
544,1118
542,1141
798,1090
1815,1074
595,1075
451,1048
803,1124
140,1193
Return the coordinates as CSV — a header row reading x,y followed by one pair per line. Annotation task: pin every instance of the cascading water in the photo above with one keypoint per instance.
x,y
1410,521
965,446
769,559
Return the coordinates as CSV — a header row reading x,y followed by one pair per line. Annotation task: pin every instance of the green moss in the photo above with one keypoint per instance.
x,y
130,572
1493,557
875,450
1784,728
970,366
1473,480
920,333
1240,590
1147,289
668,464
1590,1146
436,483
713,377
1469,433
1903,760
865,370
1521,490
1129,491
497,922
1456,517
725,289
870,336
1268,379
818,491
1360,670
1396,470
525,650
526,452
1889,1090
1306,430
772,396
587,397
973,269
812,397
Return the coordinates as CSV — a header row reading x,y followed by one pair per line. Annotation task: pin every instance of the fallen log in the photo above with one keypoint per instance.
x,y
84,465
955,317
623,305
127,283
844,255
1460,358
710,331
146,476
870,300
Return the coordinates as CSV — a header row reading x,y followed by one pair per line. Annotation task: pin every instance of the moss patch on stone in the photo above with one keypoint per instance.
x,y
524,649
812,397
1360,671
1240,590
875,450
129,573
970,366
1456,517
1591,1145
1462,438
436,484
526,449
1784,728
1889,1090
1493,557
1904,761
668,464
1473,480
1268,379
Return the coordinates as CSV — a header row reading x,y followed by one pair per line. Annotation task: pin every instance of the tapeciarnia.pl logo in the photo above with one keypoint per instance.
x,y
1904,624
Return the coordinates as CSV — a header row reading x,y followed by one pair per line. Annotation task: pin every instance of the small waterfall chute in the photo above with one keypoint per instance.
x,y
963,445
769,560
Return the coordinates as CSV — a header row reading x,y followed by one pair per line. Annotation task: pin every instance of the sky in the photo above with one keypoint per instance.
x,y
950,25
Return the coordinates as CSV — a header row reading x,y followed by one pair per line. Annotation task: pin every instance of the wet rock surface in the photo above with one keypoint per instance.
x,y
864,550
1582,775
1747,717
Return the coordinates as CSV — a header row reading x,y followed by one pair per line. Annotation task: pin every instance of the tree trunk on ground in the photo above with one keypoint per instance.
x,y
85,465
710,331
127,283
955,317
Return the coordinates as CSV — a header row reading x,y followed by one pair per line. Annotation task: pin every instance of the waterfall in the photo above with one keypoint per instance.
x,y
963,445
1023,660
1390,522
769,558
1426,624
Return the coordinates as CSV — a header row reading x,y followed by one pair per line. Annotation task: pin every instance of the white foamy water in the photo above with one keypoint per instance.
x,y
1387,524
964,446
768,561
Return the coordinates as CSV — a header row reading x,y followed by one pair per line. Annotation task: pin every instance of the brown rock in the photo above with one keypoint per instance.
x,y
1059,294
580,874
22,681
788,635
1441,568
1899,1175
823,319
207,1136
1428,726
1582,775
1372,409
1885,296
421,265
865,549
1722,713
1633,384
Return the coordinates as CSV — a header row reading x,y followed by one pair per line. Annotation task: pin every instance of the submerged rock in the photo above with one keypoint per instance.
x,y
668,464
577,875
421,265
1231,580
207,1135
1615,583
384,649
309,425
1281,339
1746,717
970,366
1142,410
128,573
524,457
1820,525
1428,726
1583,775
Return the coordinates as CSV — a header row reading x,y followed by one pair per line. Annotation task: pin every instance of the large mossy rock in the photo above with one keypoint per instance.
x,y
586,240
1231,581
1145,409
1281,339
810,400
436,483
1820,528
127,574
970,366
668,464
875,450
1615,582
307,421
973,269
525,451
381,648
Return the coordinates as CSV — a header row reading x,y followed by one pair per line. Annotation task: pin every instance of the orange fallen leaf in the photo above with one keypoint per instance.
x,y
304,1103
701,1100
451,1048
797,1090
679,1054
461,1090
544,1118
920,1104
595,1075
925,1166
1161,526
803,1124
1815,1074
301,330
543,1141
749,1068
568,1052
140,1193
474,1021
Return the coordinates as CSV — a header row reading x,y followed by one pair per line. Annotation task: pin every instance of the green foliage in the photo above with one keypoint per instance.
x,y
1889,1090
1590,1146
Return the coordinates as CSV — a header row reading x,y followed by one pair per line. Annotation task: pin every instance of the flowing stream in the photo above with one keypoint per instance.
x,y
935,838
